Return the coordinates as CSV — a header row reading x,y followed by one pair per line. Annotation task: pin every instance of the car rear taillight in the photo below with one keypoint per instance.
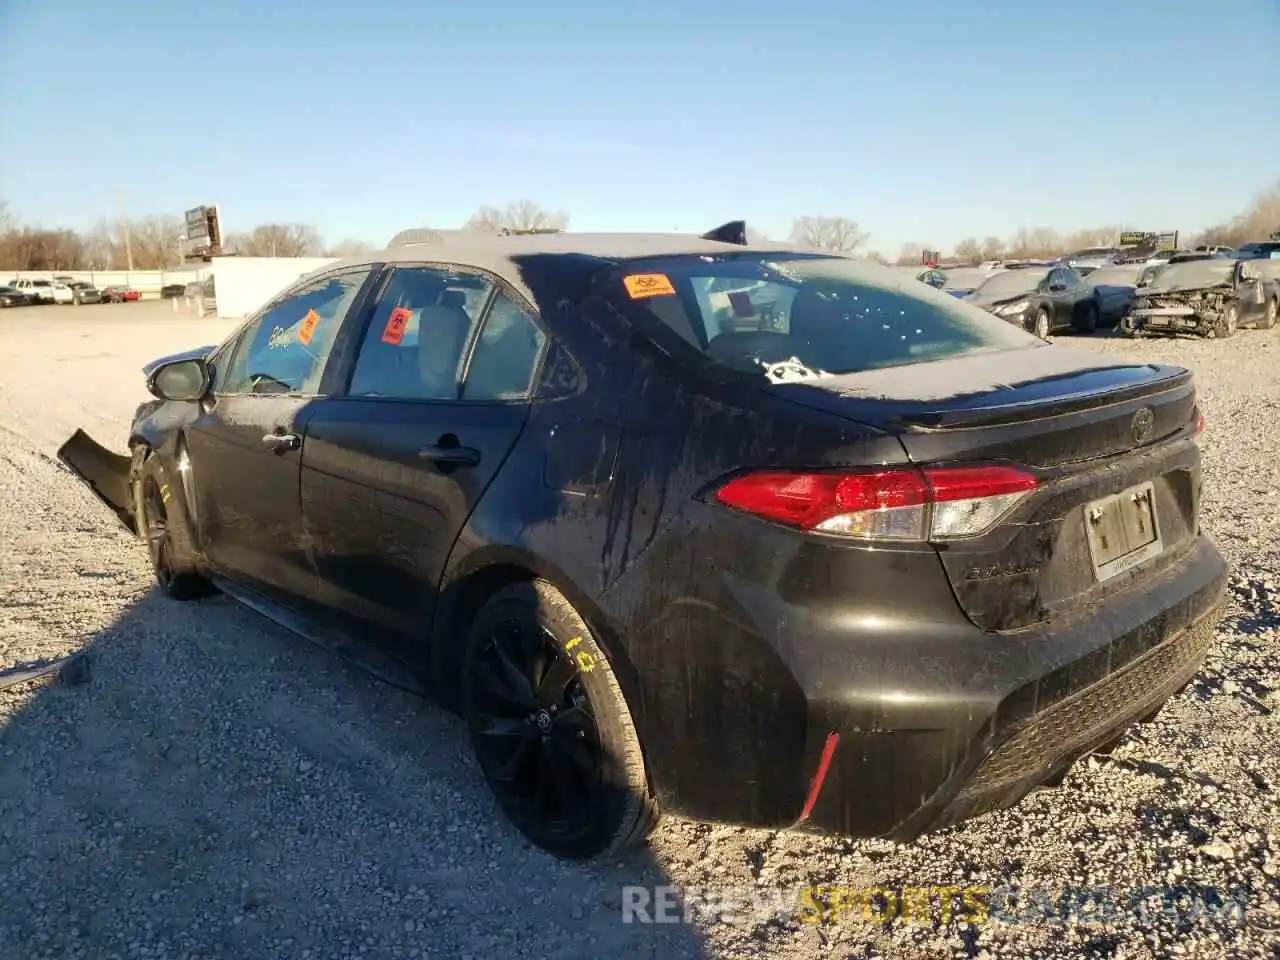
x,y
903,504
1199,422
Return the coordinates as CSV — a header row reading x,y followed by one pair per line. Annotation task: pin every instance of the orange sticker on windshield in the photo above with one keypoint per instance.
x,y
308,328
641,285
393,332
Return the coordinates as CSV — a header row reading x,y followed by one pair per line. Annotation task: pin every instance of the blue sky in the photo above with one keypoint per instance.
x,y
926,121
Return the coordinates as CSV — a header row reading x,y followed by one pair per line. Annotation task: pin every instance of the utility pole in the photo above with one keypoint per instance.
x,y
124,226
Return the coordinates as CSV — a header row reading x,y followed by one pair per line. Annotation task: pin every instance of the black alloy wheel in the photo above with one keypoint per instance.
x,y
535,732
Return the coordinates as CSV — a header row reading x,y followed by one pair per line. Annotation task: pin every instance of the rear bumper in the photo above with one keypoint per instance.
x,y
751,670
1042,699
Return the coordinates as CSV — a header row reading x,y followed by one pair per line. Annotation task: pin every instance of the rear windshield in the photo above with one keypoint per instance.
x,y
752,311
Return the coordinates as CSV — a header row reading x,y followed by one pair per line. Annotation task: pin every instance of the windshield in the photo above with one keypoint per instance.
x,y
1193,273
1115,276
803,315
41,283
1012,282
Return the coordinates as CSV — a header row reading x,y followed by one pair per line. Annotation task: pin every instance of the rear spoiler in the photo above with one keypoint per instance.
x,y
735,231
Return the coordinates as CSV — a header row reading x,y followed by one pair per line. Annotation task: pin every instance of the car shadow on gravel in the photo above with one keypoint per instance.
x,y
221,788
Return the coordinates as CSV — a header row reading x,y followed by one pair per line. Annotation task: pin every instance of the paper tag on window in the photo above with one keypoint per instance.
x,y
641,285
393,332
308,328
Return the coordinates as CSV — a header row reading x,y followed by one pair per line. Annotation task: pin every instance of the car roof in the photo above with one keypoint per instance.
x,y
504,254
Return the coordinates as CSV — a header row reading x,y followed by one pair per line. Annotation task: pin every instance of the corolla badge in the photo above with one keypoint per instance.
x,y
1143,422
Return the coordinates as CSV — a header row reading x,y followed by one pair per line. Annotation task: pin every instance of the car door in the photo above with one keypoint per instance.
x,y
1251,292
244,447
391,470
1058,295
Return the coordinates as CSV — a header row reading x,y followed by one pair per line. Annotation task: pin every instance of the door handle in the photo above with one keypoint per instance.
x,y
280,442
451,456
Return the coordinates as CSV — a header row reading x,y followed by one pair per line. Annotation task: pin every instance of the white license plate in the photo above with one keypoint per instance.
x,y
1123,530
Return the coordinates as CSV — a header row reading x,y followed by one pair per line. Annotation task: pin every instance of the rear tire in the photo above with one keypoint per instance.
x,y
162,525
550,727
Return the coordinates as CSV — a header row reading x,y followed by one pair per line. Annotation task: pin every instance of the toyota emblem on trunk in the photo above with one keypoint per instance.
x,y
1143,421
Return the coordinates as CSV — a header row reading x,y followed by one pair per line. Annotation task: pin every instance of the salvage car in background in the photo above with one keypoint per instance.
x,y
1211,297
36,291
119,294
1086,261
83,292
882,567
1257,250
13,297
1040,299
962,281
1114,288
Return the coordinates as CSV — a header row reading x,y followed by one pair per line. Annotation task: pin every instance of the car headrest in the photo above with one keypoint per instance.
x,y
442,333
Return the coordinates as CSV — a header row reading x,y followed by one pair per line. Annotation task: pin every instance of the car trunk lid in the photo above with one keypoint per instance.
x,y
1092,429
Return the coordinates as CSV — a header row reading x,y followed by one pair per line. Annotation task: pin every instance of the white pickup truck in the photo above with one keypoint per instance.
x,y
45,291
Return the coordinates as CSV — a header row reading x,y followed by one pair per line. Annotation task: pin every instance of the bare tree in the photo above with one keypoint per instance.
x,y
276,240
911,253
156,242
756,236
349,248
31,248
837,234
969,250
992,248
1257,223
518,215
877,256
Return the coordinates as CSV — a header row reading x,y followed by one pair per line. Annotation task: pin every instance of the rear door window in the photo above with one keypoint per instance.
x,y
750,312
416,341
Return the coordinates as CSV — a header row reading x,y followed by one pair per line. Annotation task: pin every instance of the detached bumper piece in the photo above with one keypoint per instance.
x,y
107,474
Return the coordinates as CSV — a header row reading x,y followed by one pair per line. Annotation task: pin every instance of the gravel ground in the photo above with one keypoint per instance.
x,y
222,789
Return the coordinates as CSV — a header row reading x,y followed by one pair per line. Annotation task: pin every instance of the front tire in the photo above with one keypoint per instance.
x,y
1042,326
1269,318
162,524
1087,322
1227,323
550,727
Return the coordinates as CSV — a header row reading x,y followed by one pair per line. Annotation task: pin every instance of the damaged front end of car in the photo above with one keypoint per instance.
x,y
111,475
1207,312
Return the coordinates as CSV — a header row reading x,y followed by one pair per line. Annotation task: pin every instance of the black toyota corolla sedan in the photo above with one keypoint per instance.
x,y
679,524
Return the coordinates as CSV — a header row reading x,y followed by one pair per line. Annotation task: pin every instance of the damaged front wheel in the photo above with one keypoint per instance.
x,y
162,525
1227,323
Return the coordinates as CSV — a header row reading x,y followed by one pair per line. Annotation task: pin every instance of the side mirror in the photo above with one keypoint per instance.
x,y
181,380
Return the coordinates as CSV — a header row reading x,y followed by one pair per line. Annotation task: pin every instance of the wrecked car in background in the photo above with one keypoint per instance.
x,y
1040,299
1115,288
1211,297
873,569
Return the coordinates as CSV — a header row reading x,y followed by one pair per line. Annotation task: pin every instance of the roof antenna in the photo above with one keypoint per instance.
x,y
735,231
